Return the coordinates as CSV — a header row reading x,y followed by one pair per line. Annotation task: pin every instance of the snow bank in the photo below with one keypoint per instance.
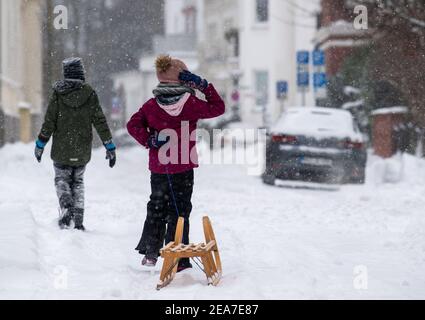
x,y
401,168
20,272
17,224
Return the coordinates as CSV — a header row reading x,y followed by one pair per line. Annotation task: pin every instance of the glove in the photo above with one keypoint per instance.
x,y
192,80
39,149
110,153
156,141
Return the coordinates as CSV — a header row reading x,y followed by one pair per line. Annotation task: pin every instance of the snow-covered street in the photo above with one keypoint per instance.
x,y
275,243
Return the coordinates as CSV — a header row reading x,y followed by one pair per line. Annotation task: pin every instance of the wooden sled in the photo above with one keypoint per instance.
x,y
206,252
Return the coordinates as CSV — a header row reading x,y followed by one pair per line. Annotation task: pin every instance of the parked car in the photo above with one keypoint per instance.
x,y
315,144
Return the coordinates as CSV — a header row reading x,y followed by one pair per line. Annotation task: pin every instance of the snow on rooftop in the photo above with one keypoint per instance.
x,y
390,110
353,104
351,90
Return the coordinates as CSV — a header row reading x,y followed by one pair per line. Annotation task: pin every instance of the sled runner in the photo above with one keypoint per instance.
x,y
206,253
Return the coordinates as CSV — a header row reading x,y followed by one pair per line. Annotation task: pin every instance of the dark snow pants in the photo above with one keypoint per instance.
x,y
69,183
161,219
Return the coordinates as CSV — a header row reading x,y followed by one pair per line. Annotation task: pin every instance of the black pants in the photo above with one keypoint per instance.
x,y
161,219
69,183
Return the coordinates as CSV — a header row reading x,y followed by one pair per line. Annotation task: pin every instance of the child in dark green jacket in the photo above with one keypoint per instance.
x,y
72,112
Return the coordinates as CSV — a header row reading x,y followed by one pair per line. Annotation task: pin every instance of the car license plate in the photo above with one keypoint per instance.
x,y
316,161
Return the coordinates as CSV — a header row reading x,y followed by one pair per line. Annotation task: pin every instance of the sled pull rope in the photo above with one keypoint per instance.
x,y
170,183
199,266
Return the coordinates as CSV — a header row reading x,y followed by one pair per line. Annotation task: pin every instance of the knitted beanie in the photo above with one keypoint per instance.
x,y
168,69
73,69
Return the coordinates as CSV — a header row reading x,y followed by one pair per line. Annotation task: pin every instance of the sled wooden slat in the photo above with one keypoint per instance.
x,y
168,246
210,245
198,247
207,252
177,248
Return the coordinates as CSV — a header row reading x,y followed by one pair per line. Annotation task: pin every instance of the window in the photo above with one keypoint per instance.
x,y
262,10
261,88
190,19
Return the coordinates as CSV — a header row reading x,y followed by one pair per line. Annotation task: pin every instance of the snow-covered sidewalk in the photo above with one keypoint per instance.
x,y
276,243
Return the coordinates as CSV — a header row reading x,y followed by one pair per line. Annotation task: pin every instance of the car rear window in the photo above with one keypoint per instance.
x,y
316,122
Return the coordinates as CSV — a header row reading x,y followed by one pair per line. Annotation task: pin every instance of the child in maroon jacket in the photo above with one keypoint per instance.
x,y
164,124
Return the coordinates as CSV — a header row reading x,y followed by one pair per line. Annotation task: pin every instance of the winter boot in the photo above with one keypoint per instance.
x,y
149,262
80,227
184,264
78,215
65,218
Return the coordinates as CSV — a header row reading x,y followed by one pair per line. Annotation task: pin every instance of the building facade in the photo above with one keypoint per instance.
x,y
250,45
337,35
218,48
182,29
20,69
243,46
268,51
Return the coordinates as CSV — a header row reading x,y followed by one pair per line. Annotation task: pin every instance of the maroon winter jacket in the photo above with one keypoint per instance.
x,y
151,117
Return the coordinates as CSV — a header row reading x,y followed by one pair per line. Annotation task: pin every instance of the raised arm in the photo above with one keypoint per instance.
x,y
213,107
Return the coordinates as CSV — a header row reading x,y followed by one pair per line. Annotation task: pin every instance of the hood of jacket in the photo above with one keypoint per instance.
x,y
73,93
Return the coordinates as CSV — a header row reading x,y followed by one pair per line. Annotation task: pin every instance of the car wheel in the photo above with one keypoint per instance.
x,y
269,179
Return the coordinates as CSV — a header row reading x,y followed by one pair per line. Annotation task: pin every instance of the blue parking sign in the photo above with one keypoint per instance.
x,y
318,58
282,89
319,80
303,57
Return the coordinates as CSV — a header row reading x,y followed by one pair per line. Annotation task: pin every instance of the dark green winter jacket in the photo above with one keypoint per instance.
x,y
72,111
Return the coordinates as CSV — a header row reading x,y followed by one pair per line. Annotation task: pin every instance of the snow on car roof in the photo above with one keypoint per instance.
x,y
317,122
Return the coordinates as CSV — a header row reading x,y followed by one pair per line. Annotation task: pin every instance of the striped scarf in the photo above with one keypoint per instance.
x,y
170,93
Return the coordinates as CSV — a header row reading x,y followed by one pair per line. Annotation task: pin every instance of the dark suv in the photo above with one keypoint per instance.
x,y
315,144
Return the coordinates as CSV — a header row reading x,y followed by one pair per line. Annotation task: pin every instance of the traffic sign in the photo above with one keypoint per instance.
x,y
318,58
303,69
235,96
319,80
282,89
303,57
